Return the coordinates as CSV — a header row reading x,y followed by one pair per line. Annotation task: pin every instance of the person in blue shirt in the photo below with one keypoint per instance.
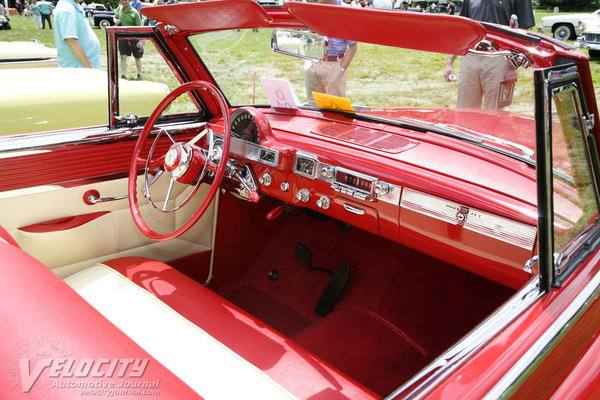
x,y
76,44
45,8
137,4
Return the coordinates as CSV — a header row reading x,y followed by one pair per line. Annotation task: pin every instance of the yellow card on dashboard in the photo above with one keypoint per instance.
x,y
331,102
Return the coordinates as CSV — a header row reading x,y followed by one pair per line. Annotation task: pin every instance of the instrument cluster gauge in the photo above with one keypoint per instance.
x,y
244,126
306,165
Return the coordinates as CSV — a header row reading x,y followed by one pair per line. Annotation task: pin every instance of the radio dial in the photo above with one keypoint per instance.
x,y
382,188
303,195
327,172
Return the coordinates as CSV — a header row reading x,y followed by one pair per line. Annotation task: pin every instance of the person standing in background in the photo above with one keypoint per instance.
x,y
137,4
4,11
329,76
125,15
451,7
35,13
76,44
45,8
481,77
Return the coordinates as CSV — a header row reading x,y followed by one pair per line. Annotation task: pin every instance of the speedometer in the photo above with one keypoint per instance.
x,y
244,126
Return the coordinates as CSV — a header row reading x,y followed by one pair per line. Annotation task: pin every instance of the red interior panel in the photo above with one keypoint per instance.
x,y
214,15
408,30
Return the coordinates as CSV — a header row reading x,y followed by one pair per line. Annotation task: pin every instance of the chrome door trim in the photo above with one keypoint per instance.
x,y
546,343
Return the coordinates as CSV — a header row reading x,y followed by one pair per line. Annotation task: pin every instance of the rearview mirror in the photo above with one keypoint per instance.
x,y
298,43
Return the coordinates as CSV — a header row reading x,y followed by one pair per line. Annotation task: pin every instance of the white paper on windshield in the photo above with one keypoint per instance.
x,y
279,92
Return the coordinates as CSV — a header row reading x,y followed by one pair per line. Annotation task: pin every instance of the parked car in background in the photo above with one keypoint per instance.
x,y
590,36
103,18
31,54
4,23
250,238
565,26
91,7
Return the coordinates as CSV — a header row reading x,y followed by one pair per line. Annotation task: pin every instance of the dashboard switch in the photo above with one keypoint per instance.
x,y
324,202
303,195
265,180
285,186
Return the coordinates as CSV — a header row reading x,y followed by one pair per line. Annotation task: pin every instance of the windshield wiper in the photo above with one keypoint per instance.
x,y
442,129
472,136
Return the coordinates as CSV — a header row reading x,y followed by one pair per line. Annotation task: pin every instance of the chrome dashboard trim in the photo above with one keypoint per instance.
x,y
429,377
478,221
310,157
252,151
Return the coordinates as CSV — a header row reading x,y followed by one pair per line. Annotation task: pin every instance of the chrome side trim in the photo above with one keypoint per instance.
x,y
482,222
42,140
418,386
527,363
32,141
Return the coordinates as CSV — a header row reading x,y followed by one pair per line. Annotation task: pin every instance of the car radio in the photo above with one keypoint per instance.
x,y
343,180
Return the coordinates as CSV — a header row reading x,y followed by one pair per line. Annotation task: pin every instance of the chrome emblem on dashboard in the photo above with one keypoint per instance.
x,y
472,219
462,215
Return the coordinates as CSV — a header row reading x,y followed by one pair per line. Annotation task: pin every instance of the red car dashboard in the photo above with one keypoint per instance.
x,y
363,175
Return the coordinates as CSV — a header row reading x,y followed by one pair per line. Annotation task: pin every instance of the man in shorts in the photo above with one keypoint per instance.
x,y
481,78
125,15
329,75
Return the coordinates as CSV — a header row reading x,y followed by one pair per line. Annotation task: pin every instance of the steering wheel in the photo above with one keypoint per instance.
x,y
184,162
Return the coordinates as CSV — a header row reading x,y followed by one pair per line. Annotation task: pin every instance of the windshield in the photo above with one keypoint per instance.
x,y
399,85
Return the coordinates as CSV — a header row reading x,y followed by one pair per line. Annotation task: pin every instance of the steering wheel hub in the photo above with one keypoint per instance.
x,y
178,160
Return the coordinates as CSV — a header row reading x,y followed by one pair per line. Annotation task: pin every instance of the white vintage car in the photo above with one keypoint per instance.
x,y
565,26
590,37
26,54
52,98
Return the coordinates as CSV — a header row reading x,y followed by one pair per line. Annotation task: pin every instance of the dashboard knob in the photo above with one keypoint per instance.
x,y
303,195
285,186
324,202
265,180
382,188
327,172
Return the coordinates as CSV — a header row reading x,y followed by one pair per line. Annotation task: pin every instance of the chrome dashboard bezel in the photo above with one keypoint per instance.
x,y
313,158
392,197
251,151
